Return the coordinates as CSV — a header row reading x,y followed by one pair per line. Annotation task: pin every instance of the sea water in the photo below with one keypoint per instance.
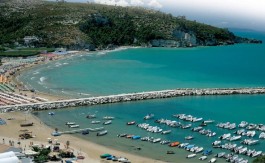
x,y
146,69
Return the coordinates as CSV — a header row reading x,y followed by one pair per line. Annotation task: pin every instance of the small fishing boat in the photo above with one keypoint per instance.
x,y
85,132
170,152
108,118
149,116
217,142
189,137
122,135
174,144
135,137
131,123
69,123
107,122
73,126
95,122
51,113
101,133
191,155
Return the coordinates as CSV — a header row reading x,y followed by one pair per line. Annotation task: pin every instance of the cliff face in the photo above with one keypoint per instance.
x,y
91,26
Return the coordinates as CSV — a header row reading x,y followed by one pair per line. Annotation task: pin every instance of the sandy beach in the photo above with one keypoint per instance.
x,y
90,150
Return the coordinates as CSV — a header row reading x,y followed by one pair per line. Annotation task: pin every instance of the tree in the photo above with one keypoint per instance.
x,y
260,159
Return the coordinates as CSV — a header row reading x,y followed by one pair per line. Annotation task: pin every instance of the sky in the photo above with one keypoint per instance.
x,y
245,14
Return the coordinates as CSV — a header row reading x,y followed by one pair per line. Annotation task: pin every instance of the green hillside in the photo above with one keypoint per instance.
x,y
79,26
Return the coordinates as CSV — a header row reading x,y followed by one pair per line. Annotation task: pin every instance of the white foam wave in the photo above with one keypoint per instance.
x,y
86,94
42,79
36,72
32,78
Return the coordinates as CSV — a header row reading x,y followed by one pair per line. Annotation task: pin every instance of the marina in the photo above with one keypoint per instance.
x,y
150,133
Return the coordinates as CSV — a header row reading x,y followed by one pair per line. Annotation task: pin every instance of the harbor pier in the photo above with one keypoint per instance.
x,y
130,97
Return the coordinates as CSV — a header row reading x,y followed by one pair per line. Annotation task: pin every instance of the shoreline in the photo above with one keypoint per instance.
x,y
91,150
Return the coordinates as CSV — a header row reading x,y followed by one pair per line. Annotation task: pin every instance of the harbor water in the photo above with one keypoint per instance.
x,y
148,69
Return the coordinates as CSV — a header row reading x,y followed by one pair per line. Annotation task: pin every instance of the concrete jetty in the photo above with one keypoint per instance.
x,y
131,97
80,130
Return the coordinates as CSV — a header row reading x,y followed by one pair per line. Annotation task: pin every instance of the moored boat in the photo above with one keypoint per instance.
x,y
203,158
149,116
174,144
95,122
191,155
212,160
131,123
166,132
107,122
189,137
91,116
108,118
70,123
73,126
101,133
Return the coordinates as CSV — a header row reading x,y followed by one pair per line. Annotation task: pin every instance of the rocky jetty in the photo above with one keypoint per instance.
x,y
130,97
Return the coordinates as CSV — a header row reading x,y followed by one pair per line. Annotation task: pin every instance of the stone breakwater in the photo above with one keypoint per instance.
x,y
130,97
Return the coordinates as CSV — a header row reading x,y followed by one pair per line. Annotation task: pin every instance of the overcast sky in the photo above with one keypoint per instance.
x,y
246,14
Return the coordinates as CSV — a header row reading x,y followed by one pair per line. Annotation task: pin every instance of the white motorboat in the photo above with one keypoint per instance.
x,y
256,153
166,132
95,122
250,141
251,133
211,134
208,121
186,126
73,126
225,136
101,133
219,155
196,119
243,124
107,122
156,140
149,116
262,135
213,160
243,150
203,158
234,138
189,137
69,123
198,150
191,155
217,142
108,118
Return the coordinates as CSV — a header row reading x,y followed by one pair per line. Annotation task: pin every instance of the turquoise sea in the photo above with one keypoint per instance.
x,y
146,69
